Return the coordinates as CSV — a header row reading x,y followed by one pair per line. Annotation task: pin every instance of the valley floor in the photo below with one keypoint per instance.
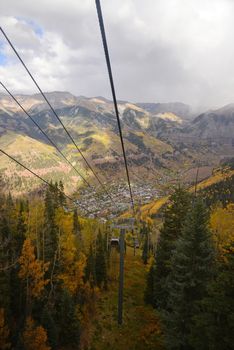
x,y
140,329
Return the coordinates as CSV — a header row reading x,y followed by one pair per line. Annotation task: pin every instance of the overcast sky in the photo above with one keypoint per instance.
x,y
161,50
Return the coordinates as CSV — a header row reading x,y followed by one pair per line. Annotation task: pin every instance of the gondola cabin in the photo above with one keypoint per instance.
x,y
114,242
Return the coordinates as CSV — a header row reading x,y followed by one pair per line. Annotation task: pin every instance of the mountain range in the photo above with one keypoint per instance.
x,y
162,140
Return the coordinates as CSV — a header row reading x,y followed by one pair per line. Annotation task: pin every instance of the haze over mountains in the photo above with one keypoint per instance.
x,y
161,139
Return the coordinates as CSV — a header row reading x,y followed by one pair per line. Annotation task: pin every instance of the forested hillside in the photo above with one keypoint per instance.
x,y
59,276
190,282
216,188
52,266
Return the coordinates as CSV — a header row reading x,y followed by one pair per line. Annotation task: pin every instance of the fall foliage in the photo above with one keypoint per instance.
x,y
32,270
34,337
42,266
222,225
57,270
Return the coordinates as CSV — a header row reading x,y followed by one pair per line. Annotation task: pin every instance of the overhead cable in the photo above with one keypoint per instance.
x,y
55,114
44,133
105,46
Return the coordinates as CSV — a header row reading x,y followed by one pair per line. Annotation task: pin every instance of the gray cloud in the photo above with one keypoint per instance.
x,y
174,50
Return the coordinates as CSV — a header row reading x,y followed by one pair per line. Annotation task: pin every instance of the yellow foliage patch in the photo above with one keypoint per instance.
x,y
34,337
222,225
72,277
217,177
32,270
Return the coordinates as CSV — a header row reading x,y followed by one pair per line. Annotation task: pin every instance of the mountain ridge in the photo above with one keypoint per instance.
x,y
158,145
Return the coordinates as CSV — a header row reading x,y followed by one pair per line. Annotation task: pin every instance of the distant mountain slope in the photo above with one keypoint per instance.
x,y
178,108
40,158
36,102
218,187
214,124
92,123
159,138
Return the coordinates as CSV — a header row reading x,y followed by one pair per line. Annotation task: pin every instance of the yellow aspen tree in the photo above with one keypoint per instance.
x,y
89,230
34,337
72,277
73,265
32,271
222,225
72,262
36,223
64,224
4,332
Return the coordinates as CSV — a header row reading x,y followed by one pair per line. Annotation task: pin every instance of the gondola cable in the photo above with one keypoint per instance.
x,y
55,114
105,46
44,133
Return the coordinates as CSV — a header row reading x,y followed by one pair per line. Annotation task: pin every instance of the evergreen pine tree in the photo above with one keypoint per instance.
x,y
10,213
54,188
50,230
149,291
17,308
214,323
191,270
100,261
143,229
90,270
76,224
5,258
69,325
174,218
9,229
48,322
4,282
20,230
4,332
106,248
61,195
145,251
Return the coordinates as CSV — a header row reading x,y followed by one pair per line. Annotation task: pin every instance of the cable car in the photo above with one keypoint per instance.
x,y
114,242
